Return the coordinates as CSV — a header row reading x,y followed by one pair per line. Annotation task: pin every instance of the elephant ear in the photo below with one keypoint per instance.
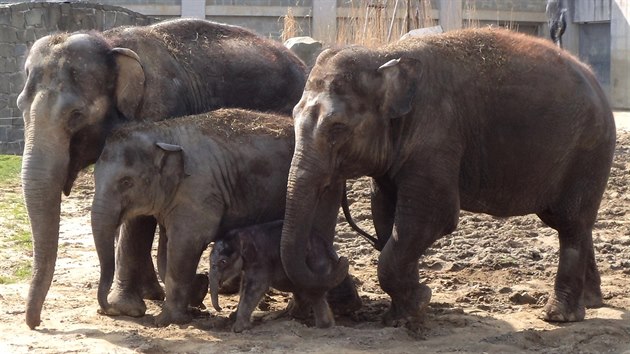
x,y
130,81
249,249
399,87
170,161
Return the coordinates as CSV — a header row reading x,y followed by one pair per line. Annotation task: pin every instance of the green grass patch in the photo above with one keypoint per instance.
x,y
13,213
15,232
20,272
10,167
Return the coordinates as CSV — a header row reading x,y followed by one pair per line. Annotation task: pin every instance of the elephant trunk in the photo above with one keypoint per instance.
x,y
105,222
214,285
43,178
301,206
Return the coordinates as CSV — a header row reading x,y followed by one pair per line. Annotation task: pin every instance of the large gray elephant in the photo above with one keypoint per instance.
x,y
199,176
80,86
488,121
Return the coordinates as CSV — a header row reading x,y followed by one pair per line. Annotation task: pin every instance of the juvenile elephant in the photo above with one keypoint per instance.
x,y
484,120
198,176
254,251
79,86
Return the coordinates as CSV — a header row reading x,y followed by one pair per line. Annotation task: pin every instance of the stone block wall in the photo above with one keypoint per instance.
x,y
23,23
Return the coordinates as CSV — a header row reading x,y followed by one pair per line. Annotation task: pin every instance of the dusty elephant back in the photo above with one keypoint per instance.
x,y
487,60
226,66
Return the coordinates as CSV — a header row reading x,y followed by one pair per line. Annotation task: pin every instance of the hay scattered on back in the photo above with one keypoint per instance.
x,y
480,45
223,124
232,123
58,38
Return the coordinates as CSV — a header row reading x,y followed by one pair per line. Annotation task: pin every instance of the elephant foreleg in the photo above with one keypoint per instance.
x,y
186,243
422,216
135,274
255,284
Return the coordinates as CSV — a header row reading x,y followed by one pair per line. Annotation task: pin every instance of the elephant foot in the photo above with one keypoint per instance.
x,y
558,311
153,291
199,289
344,298
241,325
406,309
166,318
593,297
124,305
323,316
298,310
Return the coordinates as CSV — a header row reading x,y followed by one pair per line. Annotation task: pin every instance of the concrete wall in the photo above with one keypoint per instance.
x,y
262,16
620,54
20,25
591,10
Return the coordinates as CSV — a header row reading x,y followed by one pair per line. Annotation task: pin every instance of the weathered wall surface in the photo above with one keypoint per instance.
x,y
23,23
620,54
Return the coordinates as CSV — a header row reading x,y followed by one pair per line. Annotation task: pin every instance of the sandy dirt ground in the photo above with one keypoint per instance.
x,y
490,280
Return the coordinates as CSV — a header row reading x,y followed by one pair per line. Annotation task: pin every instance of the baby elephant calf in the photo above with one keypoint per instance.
x,y
255,252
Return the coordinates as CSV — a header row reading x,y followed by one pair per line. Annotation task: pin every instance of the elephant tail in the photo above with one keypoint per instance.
x,y
346,212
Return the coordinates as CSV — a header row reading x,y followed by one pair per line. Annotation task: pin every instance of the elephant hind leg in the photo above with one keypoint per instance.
x,y
409,297
592,284
577,283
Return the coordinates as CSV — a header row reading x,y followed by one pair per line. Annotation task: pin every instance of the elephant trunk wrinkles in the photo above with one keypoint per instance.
x,y
214,285
42,180
104,228
302,202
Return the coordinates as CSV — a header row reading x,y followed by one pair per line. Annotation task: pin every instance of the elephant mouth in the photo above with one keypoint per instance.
x,y
69,182
74,168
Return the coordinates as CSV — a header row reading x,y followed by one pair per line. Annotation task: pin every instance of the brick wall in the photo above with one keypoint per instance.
x,y
23,23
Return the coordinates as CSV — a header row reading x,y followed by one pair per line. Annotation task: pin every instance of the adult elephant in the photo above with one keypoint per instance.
x,y
487,121
80,86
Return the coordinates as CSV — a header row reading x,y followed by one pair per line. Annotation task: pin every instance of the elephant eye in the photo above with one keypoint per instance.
x,y
336,132
75,120
125,183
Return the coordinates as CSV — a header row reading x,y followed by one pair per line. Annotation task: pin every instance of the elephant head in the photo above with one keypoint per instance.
x,y
134,176
226,263
77,88
343,130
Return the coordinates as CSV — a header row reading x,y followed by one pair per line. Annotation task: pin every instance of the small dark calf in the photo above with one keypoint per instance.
x,y
254,252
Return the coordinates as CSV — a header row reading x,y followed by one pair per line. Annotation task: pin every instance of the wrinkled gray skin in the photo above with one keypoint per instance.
x,y
199,176
79,86
487,121
255,252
